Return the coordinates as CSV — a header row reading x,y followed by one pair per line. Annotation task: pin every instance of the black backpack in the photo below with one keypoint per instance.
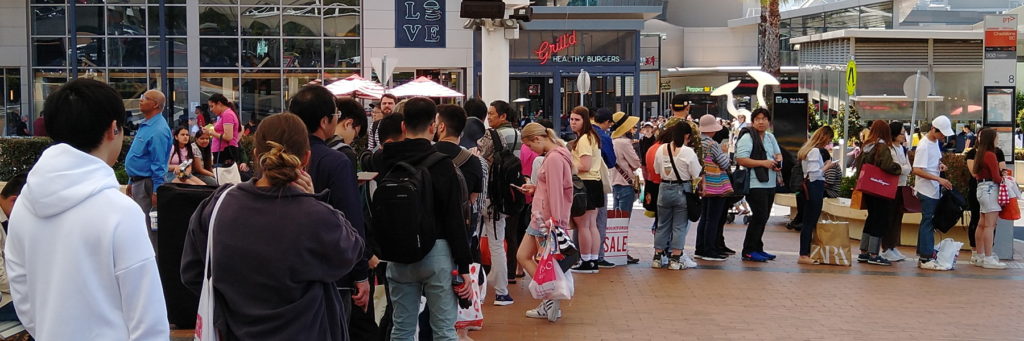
x,y
949,211
796,176
505,170
403,211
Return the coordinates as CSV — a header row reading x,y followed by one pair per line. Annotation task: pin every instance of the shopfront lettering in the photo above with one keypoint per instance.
x,y
547,50
585,59
420,23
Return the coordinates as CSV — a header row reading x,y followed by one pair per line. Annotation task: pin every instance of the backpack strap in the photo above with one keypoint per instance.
x,y
432,159
459,160
496,140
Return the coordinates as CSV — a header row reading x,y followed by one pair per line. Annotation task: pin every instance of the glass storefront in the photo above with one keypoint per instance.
x,y
11,116
255,52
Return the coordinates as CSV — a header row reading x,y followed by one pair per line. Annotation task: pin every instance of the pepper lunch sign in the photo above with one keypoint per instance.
x,y
548,51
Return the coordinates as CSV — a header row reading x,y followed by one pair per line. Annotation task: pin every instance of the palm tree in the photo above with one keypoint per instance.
x,y
768,31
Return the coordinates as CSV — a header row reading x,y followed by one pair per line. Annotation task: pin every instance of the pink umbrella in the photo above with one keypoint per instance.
x,y
355,85
424,87
960,110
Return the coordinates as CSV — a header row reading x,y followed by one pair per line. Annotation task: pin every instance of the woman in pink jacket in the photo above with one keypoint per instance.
x,y
552,200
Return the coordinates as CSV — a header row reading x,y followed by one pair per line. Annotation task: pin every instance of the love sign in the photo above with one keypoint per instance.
x,y
420,23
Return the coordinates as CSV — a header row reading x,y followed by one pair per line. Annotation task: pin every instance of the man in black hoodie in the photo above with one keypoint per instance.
x,y
430,276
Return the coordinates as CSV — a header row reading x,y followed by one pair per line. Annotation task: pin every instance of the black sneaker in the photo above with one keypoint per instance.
x,y
878,260
588,267
863,258
728,251
632,260
601,263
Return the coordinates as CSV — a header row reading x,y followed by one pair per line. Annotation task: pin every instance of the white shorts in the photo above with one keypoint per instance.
x,y
988,197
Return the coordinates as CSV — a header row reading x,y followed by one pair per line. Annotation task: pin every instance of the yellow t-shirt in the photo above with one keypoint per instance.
x,y
914,140
586,146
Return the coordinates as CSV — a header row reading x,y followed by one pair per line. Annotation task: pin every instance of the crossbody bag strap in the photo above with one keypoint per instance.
x,y
207,271
672,160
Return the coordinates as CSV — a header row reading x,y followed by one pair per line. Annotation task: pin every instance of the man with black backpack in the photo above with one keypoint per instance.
x,y
500,148
420,227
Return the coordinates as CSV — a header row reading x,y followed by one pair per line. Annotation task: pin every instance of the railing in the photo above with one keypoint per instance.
x,y
564,3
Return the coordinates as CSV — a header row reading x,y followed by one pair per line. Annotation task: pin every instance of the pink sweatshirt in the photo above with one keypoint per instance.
x,y
553,197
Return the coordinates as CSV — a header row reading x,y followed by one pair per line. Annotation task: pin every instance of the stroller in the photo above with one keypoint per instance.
x,y
737,207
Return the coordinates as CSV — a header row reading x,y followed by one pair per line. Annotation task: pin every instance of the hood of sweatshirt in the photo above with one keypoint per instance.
x,y
63,178
412,151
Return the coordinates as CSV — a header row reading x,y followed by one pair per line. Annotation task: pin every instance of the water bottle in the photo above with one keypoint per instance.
x,y
457,284
152,220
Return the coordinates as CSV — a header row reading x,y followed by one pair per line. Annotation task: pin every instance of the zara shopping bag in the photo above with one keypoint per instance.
x,y
831,243
205,330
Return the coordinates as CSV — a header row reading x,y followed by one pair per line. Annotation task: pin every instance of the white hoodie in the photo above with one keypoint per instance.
x,y
79,259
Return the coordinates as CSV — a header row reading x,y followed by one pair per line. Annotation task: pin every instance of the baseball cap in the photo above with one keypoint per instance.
x,y
943,125
680,102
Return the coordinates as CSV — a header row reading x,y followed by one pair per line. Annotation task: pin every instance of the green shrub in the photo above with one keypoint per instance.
x,y
1018,154
19,154
846,186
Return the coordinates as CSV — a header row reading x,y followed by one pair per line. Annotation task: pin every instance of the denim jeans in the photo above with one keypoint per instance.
x,y
712,213
672,218
760,201
624,197
811,212
430,277
926,233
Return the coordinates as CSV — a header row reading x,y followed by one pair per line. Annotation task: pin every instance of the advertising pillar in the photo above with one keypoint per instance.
x,y
1000,83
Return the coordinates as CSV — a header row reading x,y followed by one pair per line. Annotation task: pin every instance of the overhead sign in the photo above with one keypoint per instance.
x,y
420,23
851,78
1000,50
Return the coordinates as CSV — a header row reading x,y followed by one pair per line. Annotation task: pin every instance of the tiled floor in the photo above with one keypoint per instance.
x,y
779,300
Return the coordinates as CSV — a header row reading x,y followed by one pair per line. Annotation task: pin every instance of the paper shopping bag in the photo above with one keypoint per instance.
x,y
831,243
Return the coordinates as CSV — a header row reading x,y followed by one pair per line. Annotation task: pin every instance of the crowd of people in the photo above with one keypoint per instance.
x,y
338,204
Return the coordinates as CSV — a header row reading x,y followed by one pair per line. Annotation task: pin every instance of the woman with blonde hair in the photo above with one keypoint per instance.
x,y
277,251
552,201
586,158
880,210
815,160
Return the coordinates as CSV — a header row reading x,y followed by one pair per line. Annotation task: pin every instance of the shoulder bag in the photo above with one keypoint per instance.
x,y
693,203
205,330
716,181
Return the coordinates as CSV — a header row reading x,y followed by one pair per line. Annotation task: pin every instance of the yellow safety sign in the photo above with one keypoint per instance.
x,y
851,78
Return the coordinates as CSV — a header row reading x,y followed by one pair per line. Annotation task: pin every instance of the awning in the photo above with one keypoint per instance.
x,y
895,99
683,71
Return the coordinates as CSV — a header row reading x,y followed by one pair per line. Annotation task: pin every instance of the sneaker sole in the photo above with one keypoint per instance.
x,y
755,260
879,263
606,266
713,259
503,303
585,271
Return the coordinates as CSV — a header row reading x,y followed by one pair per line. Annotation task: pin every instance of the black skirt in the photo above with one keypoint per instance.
x,y
595,194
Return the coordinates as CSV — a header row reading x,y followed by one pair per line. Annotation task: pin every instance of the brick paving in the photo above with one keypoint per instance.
x,y
779,300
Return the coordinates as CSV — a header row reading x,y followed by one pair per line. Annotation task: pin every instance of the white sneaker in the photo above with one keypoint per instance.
x,y
675,264
898,253
541,311
892,255
687,261
554,310
976,260
931,265
991,262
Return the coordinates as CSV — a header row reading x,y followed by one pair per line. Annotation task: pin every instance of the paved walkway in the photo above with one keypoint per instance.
x,y
779,300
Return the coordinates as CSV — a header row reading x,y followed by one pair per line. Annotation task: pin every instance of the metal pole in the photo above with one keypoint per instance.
x,y
164,82
73,38
384,66
917,84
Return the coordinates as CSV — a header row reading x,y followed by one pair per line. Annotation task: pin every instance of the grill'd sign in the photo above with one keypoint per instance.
x,y
548,51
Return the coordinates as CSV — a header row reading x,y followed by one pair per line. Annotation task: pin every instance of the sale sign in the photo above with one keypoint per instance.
x,y
616,237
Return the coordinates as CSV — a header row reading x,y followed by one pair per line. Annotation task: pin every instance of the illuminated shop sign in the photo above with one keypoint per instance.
x,y
548,51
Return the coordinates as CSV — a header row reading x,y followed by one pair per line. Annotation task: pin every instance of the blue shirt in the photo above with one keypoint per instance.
x,y
607,149
771,147
150,151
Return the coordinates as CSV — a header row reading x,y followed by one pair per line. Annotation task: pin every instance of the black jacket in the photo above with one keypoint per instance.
x,y
277,254
450,221
334,172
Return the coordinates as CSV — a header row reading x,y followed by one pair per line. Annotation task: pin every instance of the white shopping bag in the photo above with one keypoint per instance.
x,y
948,249
205,330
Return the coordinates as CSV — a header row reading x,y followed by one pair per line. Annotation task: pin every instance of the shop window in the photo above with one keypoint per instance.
x,y
300,53
126,52
49,52
177,52
341,22
301,21
174,20
91,52
218,21
342,53
49,20
261,95
218,82
261,21
126,20
218,52
90,20
261,52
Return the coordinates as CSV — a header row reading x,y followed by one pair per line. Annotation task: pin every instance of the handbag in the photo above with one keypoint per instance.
x,y
911,204
1011,211
1003,197
205,330
227,173
716,182
579,197
740,181
693,203
650,199
875,181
